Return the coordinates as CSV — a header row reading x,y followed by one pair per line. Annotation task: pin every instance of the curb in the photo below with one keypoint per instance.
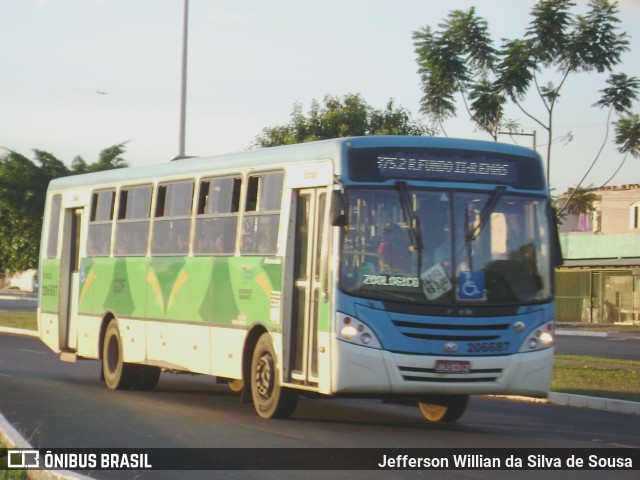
x,y
595,403
12,437
577,332
19,331
8,295
581,401
580,333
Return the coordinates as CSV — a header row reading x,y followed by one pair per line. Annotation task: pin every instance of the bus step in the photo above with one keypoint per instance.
x,y
68,357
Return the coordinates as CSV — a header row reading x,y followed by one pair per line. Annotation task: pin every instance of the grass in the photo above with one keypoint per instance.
x,y
597,377
26,320
580,375
5,473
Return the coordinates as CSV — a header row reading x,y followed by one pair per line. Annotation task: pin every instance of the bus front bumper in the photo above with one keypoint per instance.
x,y
362,370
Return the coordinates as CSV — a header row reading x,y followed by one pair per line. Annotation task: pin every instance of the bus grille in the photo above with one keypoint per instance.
x,y
416,374
450,331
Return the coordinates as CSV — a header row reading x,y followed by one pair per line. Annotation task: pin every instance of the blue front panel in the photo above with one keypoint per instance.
x,y
460,334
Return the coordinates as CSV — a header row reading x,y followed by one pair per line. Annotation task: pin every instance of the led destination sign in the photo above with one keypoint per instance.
x,y
486,169
379,165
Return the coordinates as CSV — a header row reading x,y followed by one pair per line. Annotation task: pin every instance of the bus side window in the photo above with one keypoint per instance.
x,y
132,227
172,219
99,235
217,216
262,214
54,226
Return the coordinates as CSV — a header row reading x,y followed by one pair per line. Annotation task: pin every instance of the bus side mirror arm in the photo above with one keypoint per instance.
x,y
338,211
556,248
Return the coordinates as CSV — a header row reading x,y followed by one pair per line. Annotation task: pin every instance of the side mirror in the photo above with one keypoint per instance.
x,y
338,211
554,237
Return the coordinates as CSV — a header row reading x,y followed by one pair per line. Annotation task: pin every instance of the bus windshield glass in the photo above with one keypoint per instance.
x,y
446,247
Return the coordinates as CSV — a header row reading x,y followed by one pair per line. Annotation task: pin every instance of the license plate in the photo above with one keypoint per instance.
x,y
452,366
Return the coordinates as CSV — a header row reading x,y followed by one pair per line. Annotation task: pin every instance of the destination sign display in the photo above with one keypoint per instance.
x,y
378,165
448,169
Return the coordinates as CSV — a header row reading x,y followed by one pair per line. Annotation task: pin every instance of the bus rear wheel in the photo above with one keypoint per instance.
x,y
270,399
444,408
119,375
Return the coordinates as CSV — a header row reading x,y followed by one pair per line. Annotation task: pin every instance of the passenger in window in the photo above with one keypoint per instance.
x,y
395,254
182,242
265,243
217,244
124,245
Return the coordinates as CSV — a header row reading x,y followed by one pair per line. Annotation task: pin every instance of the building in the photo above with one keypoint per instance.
x,y
600,279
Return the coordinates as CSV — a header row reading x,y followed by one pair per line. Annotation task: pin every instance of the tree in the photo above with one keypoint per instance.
x,y
110,158
23,186
460,59
340,117
627,139
617,97
628,135
22,191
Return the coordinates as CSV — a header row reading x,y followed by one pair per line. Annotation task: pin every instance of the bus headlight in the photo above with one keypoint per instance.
x,y
354,331
542,337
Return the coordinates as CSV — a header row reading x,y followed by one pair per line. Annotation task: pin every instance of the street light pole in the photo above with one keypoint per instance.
x,y
183,89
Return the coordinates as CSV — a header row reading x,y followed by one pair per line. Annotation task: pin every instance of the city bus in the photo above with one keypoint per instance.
x,y
411,270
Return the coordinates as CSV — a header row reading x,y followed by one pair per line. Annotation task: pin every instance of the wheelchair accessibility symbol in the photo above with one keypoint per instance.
x,y
471,286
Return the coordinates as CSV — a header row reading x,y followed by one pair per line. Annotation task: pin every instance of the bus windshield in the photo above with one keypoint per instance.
x,y
446,247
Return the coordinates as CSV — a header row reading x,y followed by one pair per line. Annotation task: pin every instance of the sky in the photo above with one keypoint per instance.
x,y
77,76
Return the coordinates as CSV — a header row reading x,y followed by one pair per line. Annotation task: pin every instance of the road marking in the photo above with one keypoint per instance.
x,y
33,351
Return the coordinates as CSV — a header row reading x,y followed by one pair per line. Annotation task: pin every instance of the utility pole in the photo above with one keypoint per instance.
x,y
183,89
522,134
533,139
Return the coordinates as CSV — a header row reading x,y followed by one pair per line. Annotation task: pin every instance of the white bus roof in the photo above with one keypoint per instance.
x,y
282,155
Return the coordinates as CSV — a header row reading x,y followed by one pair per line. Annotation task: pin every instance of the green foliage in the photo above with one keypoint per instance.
x,y
17,319
460,59
23,186
340,117
597,377
581,201
628,135
620,94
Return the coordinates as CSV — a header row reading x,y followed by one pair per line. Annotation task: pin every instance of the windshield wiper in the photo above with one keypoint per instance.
x,y
413,222
486,212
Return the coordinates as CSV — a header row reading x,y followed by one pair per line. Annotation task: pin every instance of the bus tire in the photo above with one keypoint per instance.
x,y
269,399
148,377
235,385
118,375
444,408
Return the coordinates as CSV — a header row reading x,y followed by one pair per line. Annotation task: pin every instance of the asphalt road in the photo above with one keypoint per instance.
x,y
17,302
623,347
57,404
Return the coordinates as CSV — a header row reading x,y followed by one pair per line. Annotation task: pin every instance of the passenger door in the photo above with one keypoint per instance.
x,y
310,234
70,277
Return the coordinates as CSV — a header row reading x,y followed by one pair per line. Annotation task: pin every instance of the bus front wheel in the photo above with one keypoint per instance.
x,y
444,408
270,399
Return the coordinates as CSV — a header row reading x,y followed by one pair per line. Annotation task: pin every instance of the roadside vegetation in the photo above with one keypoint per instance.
x,y
580,375
6,474
25,320
597,377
